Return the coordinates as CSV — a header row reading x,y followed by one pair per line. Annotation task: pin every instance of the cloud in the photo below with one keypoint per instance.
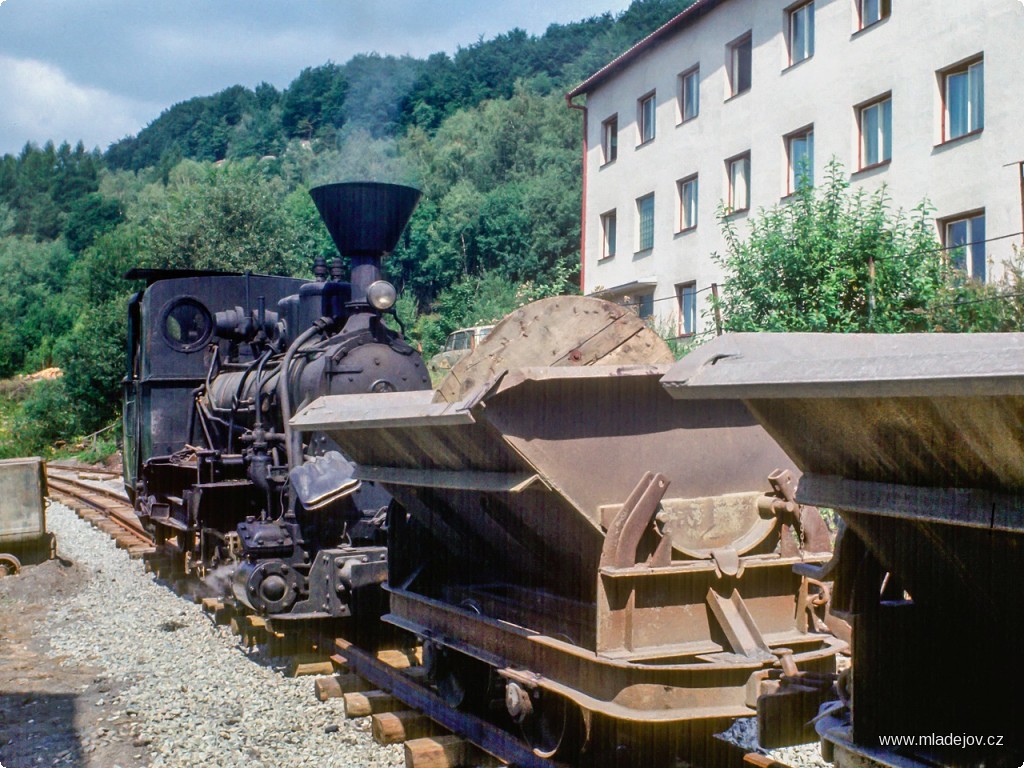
x,y
42,102
103,69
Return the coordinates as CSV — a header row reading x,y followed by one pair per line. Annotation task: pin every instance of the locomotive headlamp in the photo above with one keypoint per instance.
x,y
381,294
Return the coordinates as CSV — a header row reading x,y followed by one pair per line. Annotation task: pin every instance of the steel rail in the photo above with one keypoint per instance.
x,y
108,503
490,738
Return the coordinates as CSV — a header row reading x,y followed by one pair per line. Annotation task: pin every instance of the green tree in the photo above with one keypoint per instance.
x,y
228,218
35,419
832,260
501,194
315,100
32,294
92,358
89,216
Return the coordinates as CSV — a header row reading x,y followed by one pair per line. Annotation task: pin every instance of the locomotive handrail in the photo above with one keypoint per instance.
x,y
294,452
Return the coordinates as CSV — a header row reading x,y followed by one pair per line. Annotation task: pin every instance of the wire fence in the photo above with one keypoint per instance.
x,y
698,337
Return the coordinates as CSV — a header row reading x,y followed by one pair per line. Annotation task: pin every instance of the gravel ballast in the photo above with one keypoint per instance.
x,y
189,693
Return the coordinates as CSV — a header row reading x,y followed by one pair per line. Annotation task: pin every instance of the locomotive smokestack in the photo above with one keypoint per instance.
x,y
365,220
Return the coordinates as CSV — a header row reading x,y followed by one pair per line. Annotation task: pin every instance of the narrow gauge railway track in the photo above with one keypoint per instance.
x,y
107,510
388,686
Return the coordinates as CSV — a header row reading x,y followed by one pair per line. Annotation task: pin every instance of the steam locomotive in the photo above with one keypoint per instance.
x,y
217,364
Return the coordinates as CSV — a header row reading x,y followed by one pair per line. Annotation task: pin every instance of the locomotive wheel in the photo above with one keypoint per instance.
x,y
553,727
9,565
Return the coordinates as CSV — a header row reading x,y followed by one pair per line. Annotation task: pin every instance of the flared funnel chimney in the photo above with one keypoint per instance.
x,y
365,218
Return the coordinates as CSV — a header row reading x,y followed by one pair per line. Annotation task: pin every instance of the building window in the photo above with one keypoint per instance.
x,y
610,138
689,94
645,118
687,203
964,239
686,295
738,169
645,305
641,303
801,33
800,154
645,221
875,121
739,65
964,96
608,222
873,11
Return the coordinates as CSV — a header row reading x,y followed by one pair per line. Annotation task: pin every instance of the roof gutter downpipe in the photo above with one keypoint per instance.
x,y
583,202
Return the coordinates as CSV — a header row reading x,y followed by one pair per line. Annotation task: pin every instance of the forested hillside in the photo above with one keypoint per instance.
x,y
221,181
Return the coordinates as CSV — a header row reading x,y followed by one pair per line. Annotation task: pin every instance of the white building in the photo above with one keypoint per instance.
x,y
730,99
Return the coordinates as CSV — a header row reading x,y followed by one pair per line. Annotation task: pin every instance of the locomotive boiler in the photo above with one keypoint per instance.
x,y
217,365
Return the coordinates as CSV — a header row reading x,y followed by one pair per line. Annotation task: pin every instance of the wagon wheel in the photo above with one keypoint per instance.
x,y
451,686
460,680
9,565
553,727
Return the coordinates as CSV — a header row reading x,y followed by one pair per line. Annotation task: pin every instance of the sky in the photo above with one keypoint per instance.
x,y
100,70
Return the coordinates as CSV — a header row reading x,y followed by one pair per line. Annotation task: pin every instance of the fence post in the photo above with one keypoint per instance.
x,y
718,309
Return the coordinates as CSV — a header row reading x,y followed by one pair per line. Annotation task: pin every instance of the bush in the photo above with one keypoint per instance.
x,y
832,260
35,420
92,357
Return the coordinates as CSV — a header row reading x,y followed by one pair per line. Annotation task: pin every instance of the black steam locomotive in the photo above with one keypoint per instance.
x,y
217,364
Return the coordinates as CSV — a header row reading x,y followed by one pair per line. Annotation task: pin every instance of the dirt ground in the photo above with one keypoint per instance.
x,y
52,714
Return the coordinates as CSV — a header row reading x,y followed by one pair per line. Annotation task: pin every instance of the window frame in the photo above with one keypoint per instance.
x,y
645,122
792,14
640,226
884,12
730,185
684,290
734,66
462,341
645,304
792,180
694,74
687,219
610,139
973,238
963,68
883,136
609,217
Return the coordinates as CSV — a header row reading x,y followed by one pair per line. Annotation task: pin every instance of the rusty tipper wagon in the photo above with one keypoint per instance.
x,y
918,441
573,541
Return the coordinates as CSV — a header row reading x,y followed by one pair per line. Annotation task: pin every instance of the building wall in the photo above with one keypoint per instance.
x,y
903,54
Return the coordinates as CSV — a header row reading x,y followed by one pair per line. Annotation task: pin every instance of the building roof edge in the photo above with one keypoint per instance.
x,y
670,27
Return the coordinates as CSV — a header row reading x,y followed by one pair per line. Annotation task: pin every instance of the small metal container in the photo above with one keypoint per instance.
x,y
22,506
